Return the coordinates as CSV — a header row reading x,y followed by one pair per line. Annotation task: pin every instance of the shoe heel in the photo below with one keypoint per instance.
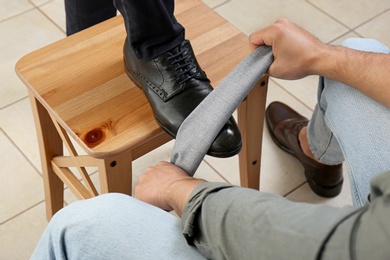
x,y
131,75
326,191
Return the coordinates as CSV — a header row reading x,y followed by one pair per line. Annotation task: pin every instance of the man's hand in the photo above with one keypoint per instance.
x,y
295,50
298,54
166,186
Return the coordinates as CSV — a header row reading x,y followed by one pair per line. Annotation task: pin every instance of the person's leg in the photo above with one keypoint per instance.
x,y
160,61
348,124
81,14
114,226
151,26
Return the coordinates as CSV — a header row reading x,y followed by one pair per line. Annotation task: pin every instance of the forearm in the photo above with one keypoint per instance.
x,y
297,54
232,222
367,72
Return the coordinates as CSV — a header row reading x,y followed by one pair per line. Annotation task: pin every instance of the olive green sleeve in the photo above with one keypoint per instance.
x,y
230,222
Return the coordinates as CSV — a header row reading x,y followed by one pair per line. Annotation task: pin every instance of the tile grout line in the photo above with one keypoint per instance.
x,y
340,36
38,7
296,188
32,2
16,15
22,212
53,22
285,195
293,96
21,152
358,34
221,4
215,170
13,103
327,14
371,19
353,28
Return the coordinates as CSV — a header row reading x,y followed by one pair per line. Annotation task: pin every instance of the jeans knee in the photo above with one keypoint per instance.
x,y
363,44
88,208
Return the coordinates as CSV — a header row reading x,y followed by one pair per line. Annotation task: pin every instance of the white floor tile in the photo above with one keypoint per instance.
x,y
21,35
20,236
352,12
40,2
215,3
21,185
11,8
18,123
250,15
339,40
377,29
305,90
55,10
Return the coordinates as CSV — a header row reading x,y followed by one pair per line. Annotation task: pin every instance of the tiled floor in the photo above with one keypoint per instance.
x,y
26,25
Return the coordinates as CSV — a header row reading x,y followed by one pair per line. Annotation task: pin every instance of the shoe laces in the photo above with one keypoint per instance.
x,y
184,65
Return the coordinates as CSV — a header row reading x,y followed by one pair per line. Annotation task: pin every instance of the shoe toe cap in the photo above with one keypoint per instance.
x,y
228,142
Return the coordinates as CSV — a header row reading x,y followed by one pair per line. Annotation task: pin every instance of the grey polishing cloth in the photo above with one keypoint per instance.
x,y
201,127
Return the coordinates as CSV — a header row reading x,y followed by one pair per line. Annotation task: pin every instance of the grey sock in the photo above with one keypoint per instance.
x,y
202,126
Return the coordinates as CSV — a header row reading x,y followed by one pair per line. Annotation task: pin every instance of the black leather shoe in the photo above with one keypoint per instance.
x,y
284,125
175,84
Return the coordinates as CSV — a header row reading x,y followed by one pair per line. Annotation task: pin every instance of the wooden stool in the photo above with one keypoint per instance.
x,y
78,89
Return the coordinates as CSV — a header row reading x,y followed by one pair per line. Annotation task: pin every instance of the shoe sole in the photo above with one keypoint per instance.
x,y
211,153
323,191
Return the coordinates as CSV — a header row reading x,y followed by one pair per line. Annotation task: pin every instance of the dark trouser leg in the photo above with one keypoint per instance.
x,y
151,26
159,60
81,14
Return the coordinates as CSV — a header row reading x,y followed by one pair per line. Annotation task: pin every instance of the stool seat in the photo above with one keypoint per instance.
x,y
79,91
81,82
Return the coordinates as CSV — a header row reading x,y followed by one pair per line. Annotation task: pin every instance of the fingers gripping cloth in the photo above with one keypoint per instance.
x,y
201,127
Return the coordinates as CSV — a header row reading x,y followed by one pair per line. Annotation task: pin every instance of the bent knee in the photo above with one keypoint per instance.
x,y
364,44
102,203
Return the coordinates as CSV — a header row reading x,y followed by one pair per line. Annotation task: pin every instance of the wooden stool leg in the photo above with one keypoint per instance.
x,y
50,145
115,174
251,120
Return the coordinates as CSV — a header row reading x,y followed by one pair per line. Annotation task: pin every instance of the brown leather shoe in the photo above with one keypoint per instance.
x,y
284,125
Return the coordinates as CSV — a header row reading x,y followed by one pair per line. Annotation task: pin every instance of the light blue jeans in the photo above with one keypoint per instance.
x,y
345,124
114,226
